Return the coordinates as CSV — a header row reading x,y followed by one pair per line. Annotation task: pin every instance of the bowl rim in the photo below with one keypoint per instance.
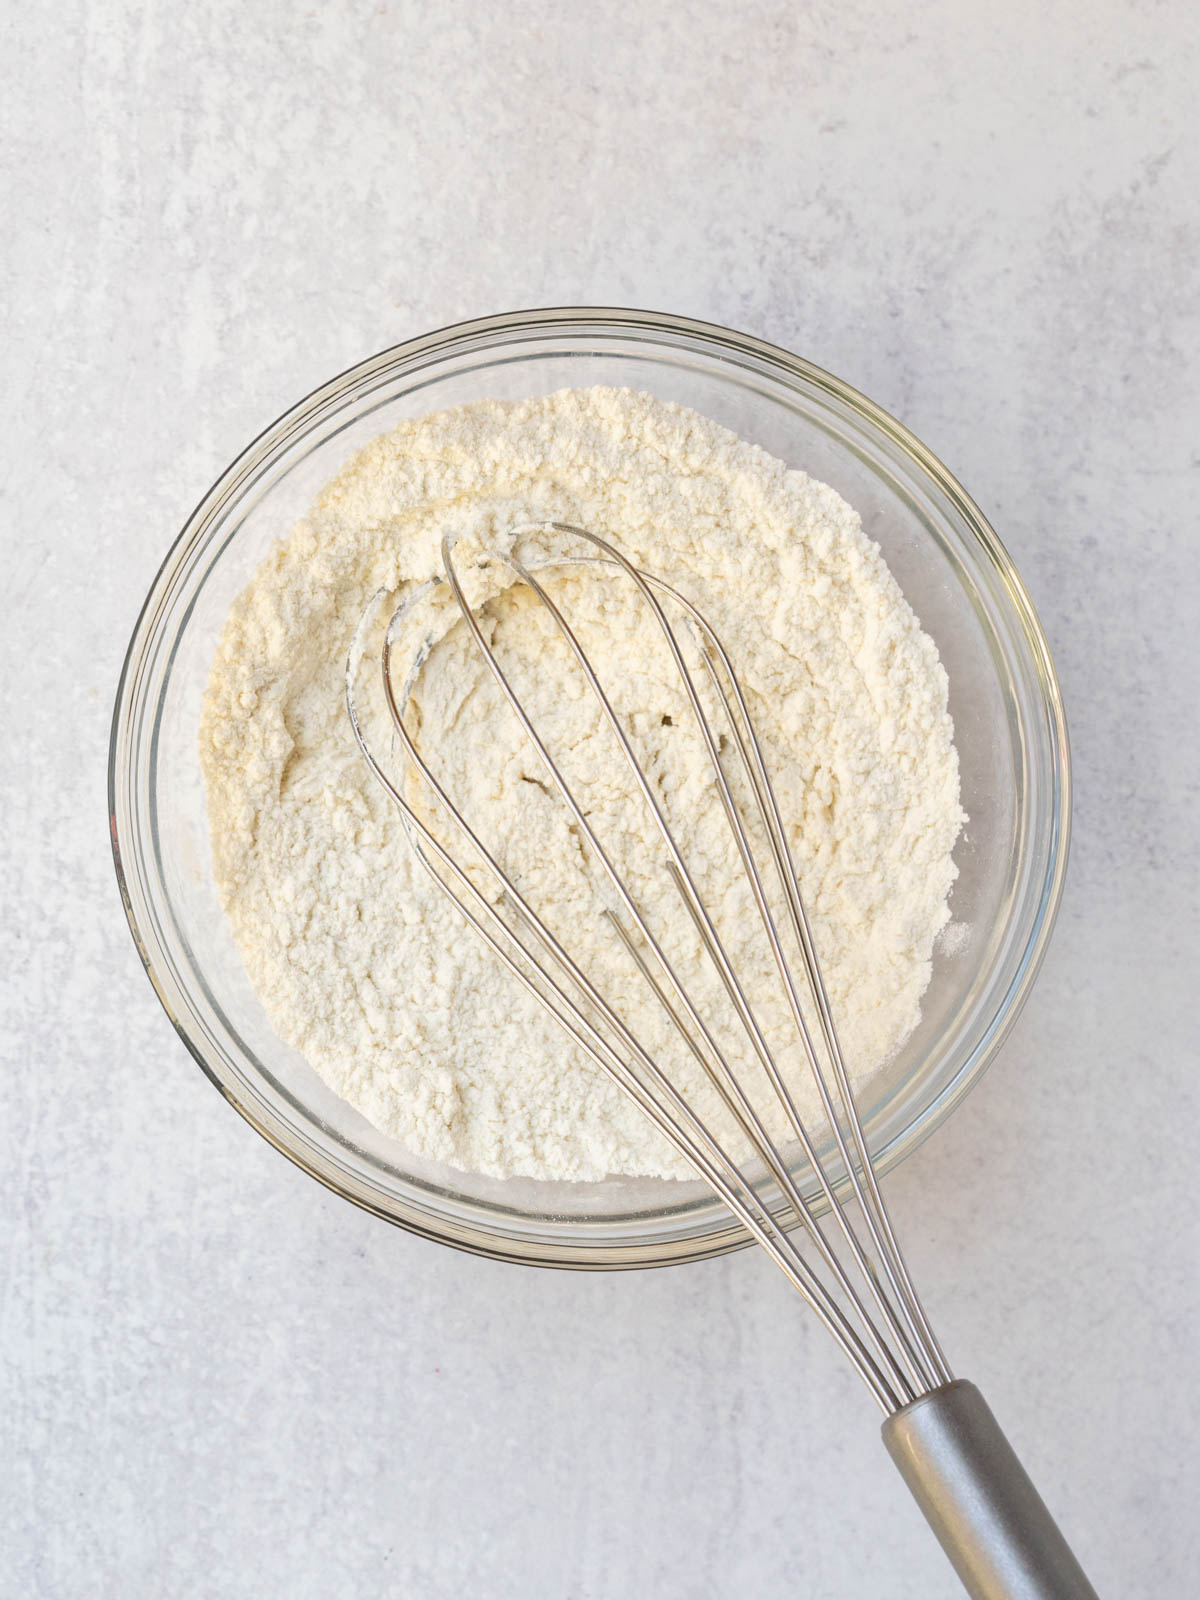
x,y
608,320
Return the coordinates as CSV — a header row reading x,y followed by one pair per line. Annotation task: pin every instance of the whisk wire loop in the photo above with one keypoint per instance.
x,y
919,1368
904,1363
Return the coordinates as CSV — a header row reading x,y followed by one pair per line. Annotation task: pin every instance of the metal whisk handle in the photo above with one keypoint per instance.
x,y
979,1500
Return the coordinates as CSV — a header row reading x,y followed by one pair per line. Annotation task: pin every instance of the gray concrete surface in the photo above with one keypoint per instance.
x,y
218,1379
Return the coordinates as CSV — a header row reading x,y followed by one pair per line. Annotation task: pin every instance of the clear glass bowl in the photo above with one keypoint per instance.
x,y
1004,698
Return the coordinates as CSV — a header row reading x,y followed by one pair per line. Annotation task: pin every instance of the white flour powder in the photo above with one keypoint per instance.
x,y
362,965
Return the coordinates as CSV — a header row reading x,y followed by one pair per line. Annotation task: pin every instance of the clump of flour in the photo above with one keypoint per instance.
x,y
360,962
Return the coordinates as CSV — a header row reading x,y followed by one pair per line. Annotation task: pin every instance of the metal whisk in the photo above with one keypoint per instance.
x,y
947,1445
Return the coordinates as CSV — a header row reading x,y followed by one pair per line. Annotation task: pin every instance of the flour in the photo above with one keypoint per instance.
x,y
363,966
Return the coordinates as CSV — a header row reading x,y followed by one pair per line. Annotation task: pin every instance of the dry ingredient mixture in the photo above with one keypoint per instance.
x,y
364,967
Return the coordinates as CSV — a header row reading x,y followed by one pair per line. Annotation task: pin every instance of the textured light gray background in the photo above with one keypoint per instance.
x,y
219,1380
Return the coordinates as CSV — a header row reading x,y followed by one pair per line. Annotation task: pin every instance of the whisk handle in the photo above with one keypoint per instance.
x,y
979,1500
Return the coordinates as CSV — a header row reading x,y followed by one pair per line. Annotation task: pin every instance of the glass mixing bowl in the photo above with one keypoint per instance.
x,y
1004,699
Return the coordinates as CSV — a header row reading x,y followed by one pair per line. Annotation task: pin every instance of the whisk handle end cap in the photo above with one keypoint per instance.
x,y
980,1501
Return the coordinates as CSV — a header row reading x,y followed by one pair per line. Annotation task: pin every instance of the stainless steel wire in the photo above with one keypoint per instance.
x,y
889,1342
